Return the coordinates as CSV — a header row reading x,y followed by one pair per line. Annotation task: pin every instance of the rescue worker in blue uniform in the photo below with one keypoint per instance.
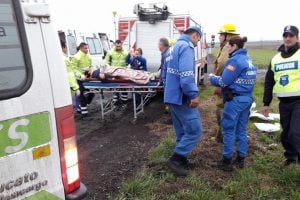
x,y
237,83
164,48
283,81
181,94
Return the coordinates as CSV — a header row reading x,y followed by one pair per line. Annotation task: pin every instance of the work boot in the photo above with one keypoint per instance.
x,y
177,164
288,162
224,164
190,164
239,162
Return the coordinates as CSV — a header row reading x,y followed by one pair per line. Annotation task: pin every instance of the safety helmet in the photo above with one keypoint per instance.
x,y
229,29
172,41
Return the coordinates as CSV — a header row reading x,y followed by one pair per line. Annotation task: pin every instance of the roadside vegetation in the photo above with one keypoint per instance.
x,y
260,56
265,177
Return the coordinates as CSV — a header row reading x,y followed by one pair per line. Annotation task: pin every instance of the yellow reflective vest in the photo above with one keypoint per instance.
x,y
71,76
81,62
286,75
116,58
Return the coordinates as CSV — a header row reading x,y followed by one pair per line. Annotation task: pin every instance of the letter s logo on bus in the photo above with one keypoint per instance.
x,y
13,134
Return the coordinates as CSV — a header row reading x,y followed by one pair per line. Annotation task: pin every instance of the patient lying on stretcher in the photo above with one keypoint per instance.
x,y
117,74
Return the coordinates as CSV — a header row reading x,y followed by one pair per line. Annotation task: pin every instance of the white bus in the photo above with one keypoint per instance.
x,y
38,151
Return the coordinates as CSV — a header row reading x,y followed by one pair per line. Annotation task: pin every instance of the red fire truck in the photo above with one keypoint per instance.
x,y
152,22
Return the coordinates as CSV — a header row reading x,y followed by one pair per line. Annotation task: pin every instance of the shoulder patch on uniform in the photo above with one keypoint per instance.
x,y
231,68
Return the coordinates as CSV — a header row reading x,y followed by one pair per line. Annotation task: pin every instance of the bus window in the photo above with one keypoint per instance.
x,y
15,68
105,41
98,46
72,45
92,49
94,46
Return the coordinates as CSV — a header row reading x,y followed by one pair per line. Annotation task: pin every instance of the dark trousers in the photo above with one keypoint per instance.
x,y
138,99
290,122
84,99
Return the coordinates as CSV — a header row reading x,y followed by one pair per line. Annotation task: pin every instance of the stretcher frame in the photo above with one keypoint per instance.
x,y
146,92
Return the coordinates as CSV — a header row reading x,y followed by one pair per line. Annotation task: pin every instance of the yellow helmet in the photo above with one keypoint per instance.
x,y
229,29
172,41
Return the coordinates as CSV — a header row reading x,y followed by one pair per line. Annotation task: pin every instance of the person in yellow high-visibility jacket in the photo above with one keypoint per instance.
x,y
283,81
71,76
81,63
117,58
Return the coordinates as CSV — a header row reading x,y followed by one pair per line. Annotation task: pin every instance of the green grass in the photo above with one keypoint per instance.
x,y
164,149
266,177
141,187
258,93
204,94
261,57
258,97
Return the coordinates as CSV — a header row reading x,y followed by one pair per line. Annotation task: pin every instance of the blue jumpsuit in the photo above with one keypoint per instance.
x,y
165,62
240,76
180,88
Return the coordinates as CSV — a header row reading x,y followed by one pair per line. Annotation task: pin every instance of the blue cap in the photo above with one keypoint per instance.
x,y
291,30
195,28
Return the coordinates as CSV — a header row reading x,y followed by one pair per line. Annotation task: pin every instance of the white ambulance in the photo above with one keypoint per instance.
x,y
38,151
97,43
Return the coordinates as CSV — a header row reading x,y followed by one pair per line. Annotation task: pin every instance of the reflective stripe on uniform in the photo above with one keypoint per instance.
x,y
181,74
246,81
84,110
287,94
124,97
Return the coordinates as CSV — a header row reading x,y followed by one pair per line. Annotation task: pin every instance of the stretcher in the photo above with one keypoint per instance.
x,y
146,91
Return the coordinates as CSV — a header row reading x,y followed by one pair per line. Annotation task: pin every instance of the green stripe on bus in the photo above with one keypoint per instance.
x,y
22,133
43,195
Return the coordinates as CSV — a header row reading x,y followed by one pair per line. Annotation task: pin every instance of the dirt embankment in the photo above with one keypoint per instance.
x,y
113,151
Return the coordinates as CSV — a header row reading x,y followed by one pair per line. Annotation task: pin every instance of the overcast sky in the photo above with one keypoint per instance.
x,y
256,19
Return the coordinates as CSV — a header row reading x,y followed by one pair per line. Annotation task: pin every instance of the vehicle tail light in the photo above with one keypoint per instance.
x,y
68,148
